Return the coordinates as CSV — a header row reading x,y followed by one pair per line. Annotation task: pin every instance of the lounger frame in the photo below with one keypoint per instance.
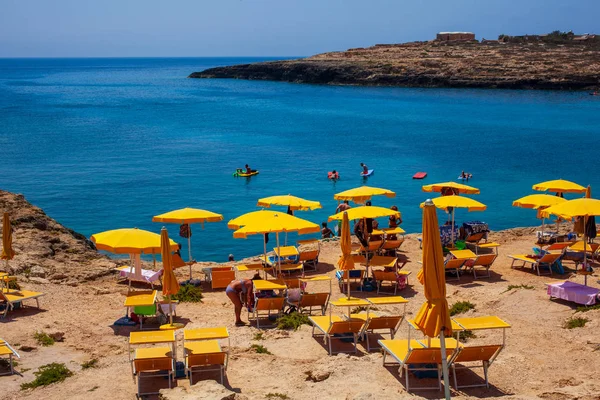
x,y
152,368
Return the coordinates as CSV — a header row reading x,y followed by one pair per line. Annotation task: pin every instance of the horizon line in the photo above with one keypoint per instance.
x,y
132,57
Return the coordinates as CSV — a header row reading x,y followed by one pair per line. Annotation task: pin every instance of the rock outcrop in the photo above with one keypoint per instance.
x,y
46,250
574,66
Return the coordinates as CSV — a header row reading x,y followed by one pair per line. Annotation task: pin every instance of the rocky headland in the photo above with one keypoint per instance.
x,y
567,65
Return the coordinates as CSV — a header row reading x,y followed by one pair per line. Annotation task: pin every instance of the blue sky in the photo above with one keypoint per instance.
x,y
134,28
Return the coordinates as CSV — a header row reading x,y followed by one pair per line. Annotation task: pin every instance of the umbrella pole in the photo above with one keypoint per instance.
x,y
452,226
190,252
278,255
445,365
584,251
265,254
170,310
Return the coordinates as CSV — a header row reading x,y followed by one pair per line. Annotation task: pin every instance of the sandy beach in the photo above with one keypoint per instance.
x,y
541,360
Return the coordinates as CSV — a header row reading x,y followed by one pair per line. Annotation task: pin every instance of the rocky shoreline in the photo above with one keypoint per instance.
x,y
432,64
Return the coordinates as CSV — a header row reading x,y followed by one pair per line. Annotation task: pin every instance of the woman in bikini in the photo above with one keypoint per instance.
x,y
238,292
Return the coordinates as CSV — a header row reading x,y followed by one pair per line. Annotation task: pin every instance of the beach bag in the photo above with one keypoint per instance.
x,y
401,281
185,231
294,294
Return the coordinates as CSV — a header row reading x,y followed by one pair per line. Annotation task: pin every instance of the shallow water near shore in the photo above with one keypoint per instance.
x,y
107,143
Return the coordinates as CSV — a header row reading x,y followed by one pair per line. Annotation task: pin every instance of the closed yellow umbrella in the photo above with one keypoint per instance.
x,y
170,284
452,202
362,194
365,212
538,202
457,187
188,216
433,318
262,222
583,208
346,262
559,186
293,202
7,251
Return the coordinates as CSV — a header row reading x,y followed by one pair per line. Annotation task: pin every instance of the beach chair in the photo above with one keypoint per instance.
x,y
7,351
10,299
454,264
308,301
355,276
334,327
474,239
221,277
147,275
266,307
536,263
391,247
309,258
414,356
391,277
374,322
152,363
482,261
475,354
205,356
372,248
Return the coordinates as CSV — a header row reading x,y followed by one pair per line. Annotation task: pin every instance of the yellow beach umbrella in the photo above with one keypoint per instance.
x,y
457,187
583,208
129,241
559,186
346,262
538,202
188,216
364,212
262,222
293,202
433,318
7,251
170,284
452,202
362,194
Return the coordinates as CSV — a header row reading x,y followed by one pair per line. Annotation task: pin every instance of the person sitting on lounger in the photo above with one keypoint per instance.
x,y
239,292
326,233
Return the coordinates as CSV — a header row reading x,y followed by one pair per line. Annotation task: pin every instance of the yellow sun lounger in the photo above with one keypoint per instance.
x,y
204,356
374,322
483,261
484,354
391,277
11,297
7,350
266,307
546,261
151,363
454,264
414,356
332,325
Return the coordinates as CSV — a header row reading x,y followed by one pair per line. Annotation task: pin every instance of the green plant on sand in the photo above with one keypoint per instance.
x,y
514,287
189,294
292,321
588,308
461,307
277,396
575,322
48,374
43,339
260,349
258,336
93,363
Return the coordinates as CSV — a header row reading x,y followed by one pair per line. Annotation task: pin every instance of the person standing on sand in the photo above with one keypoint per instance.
x,y
239,292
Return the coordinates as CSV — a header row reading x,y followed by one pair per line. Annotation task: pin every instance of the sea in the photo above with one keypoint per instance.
x,y
106,143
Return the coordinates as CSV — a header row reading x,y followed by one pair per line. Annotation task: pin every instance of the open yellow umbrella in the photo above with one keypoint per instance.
x,y
131,241
262,222
170,284
346,262
583,208
452,202
538,202
433,318
188,216
293,202
365,212
559,186
456,187
362,194
7,251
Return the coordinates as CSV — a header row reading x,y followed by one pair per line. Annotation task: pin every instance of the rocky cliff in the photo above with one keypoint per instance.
x,y
46,250
573,66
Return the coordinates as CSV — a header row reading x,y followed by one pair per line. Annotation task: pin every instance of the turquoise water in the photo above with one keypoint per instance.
x,y
107,143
